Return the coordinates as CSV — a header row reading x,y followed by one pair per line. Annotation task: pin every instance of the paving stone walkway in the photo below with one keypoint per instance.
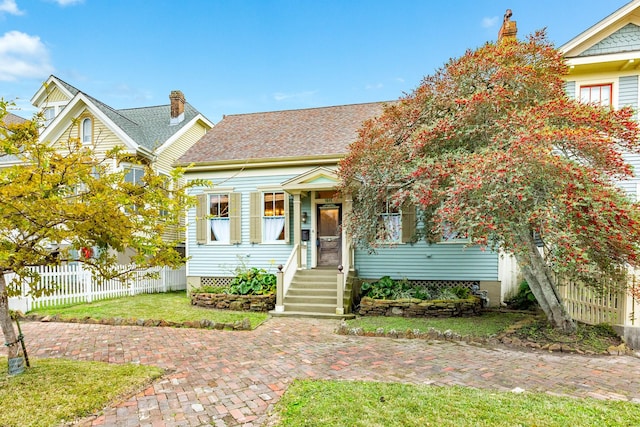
x,y
223,378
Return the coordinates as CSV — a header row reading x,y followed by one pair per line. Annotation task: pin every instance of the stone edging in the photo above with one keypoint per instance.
x,y
420,308
255,303
239,325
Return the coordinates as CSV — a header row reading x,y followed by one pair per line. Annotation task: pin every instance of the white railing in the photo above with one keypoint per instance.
x,y
71,284
285,277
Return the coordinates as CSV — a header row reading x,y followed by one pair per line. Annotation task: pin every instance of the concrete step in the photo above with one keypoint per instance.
x,y
310,308
303,314
296,284
310,300
321,292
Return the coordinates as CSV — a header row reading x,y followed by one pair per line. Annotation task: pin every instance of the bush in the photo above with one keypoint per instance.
x,y
253,281
210,289
523,299
387,288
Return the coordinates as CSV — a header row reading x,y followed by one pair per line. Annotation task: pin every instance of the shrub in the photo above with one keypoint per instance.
x,y
387,288
523,299
210,289
253,281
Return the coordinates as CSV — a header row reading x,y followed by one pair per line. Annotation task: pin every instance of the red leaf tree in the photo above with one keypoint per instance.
x,y
490,145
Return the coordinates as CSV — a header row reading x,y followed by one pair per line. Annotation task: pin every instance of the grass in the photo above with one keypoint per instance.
x,y
54,391
170,307
332,403
485,325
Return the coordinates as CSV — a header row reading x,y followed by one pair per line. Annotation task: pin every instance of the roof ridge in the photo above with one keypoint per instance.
x,y
310,108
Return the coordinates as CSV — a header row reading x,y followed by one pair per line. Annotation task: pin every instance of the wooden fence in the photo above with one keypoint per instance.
x,y
613,304
69,284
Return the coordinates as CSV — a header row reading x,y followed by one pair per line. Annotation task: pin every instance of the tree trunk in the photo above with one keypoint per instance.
x,y
5,321
541,283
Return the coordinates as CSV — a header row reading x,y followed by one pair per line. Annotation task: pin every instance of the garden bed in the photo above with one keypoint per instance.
x,y
256,303
420,308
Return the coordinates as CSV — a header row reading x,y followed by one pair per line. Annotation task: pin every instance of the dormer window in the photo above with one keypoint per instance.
x,y
49,114
86,131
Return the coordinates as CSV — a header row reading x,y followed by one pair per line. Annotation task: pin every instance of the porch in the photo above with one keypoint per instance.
x,y
316,279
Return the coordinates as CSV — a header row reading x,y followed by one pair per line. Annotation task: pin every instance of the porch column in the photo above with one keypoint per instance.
x,y
347,252
297,225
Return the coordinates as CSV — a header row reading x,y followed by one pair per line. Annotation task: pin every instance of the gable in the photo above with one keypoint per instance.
x,y
625,39
315,179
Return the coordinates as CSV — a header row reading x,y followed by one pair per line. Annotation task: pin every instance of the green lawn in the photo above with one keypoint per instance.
x,y
340,403
54,391
170,306
485,325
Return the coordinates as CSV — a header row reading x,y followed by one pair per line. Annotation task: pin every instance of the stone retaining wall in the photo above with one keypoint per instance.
x,y
258,303
420,308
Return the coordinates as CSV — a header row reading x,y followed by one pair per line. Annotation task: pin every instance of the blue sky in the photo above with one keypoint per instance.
x,y
243,56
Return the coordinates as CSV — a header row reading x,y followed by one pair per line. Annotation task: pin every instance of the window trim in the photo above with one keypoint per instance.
x,y
264,217
597,85
210,218
83,130
383,215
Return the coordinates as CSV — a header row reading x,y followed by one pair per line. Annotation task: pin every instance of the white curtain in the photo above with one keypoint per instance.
x,y
392,225
220,228
272,228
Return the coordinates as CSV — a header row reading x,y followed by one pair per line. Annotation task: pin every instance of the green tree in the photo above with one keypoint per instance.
x,y
66,197
491,146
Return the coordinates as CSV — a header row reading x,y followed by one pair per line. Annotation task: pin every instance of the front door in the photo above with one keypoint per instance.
x,y
329,235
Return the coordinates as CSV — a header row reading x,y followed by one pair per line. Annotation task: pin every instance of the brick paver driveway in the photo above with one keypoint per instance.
x,y
233,378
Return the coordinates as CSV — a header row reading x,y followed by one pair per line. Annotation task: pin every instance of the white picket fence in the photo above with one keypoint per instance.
x,y
69,284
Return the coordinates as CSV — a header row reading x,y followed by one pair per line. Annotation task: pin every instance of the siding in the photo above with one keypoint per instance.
x,y
170,154
221,260
56,95
625,39
629,97
570,89
165,160
421,261
102,136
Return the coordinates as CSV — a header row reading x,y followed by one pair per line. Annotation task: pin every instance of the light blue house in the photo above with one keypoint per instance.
x,y
274,202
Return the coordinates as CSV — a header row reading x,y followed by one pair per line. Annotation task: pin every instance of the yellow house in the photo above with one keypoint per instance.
x,y
604,67
158,135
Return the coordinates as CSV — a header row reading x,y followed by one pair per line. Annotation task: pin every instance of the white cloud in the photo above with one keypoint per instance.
x,y
374,86
65,3
10,6
490,22
23,56
280,96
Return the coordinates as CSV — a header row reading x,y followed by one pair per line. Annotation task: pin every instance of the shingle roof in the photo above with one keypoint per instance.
x,y
282,134
147,126
12,119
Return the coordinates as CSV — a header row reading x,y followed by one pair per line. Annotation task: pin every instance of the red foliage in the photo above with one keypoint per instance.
x,y
492,145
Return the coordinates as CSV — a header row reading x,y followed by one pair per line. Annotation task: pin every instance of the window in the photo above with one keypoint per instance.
x,y
219,218
450,234
87,131
134,175
273,216
49,114
390,224
219,213
597,94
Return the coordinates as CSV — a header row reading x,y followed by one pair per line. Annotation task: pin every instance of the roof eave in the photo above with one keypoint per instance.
x,y
260,163
599,26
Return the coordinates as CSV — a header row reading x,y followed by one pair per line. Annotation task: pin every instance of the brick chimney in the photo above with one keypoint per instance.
x,y
177,107
508,29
